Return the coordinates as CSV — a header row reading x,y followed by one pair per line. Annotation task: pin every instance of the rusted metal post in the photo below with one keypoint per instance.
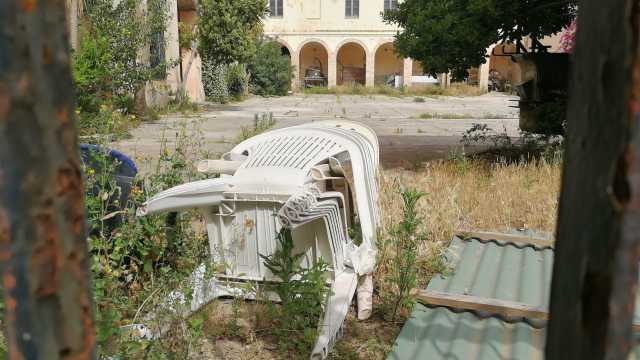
x,y
43,248
596,268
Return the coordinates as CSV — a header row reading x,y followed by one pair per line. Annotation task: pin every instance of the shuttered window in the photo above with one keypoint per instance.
x,y
352,8
275,8
390,5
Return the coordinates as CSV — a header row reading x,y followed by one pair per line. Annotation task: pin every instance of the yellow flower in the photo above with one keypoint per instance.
x,y
91,171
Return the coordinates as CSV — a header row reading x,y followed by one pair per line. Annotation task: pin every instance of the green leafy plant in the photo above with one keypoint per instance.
x,y
237,81
138,260
227,29
106,68
271,72
214,81
302,293
405,237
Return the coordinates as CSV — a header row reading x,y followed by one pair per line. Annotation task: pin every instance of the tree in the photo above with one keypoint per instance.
x,y
454,35
43,242
271,71
595,274
228,29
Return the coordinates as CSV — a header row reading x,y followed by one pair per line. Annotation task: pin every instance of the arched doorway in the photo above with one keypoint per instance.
x,y
314,62
352,64
285,51
387,66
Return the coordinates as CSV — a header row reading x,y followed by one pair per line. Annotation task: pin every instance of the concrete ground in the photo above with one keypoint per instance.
x,y
404,136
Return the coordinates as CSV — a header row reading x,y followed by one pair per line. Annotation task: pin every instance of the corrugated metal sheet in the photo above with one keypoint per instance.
x,y
487,269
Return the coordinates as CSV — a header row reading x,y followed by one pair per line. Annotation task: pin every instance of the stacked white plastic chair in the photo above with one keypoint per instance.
x,y
317,179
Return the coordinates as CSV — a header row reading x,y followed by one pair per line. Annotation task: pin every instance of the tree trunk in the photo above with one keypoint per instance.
x,y
596,268
43,247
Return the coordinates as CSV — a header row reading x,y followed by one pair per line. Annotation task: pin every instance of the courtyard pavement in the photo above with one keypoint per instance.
x,y
404,136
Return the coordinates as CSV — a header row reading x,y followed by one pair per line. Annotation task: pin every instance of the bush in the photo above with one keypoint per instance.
x,y
405,238
105,67
214,81
138,260
271,72
302,293
237,84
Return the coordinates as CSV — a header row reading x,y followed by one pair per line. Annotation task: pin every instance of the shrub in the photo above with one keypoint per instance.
x,y
237,83
214,81
405,238
271,72
227,28
138,260
302,294
105,66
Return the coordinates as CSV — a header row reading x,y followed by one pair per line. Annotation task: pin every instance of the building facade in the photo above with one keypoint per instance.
x,y
346,40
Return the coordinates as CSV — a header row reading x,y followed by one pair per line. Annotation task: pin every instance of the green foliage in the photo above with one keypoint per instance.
x,y
454,35
271,72
186,35
261,123
106,67
214,81
302,293
405,237
227,29
237,83
137,260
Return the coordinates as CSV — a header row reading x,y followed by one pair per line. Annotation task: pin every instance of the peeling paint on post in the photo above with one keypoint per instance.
x,y
43,249
595,274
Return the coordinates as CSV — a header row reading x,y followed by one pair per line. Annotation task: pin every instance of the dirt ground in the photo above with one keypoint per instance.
x,y
405,137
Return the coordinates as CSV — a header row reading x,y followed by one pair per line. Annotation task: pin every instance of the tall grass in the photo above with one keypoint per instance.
x,y
429,90
477,194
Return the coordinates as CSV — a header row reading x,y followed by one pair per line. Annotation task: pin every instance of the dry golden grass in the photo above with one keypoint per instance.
x,y
476,195
462,194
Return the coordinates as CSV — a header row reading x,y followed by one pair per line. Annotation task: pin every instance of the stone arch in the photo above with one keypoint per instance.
x,y
285,46
387,64
351,62
313,54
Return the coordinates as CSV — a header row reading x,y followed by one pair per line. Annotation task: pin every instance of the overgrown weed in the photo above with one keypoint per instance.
x,y
261,123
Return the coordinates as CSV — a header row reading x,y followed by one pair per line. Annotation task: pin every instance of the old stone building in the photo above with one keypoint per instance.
x,y
347,40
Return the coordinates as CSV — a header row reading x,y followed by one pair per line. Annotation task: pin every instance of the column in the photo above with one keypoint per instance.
x,y
370,70
295,79
172,49
484,71
333,69
407,72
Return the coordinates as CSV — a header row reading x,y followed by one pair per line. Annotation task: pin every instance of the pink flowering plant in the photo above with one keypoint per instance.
x,y
568,38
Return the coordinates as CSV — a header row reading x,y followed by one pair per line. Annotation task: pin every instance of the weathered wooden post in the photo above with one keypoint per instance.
x,y
596,268
43,248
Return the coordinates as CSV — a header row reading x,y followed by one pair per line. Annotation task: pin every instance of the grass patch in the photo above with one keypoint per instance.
x,y
428,116
261,123
417,91
468,193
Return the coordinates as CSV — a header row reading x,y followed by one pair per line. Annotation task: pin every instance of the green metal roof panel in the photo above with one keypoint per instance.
x,y
503,272
488,269
439,333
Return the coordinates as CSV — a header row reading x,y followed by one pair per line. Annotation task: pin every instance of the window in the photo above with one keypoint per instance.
x,y
352,8
390,5
275,8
